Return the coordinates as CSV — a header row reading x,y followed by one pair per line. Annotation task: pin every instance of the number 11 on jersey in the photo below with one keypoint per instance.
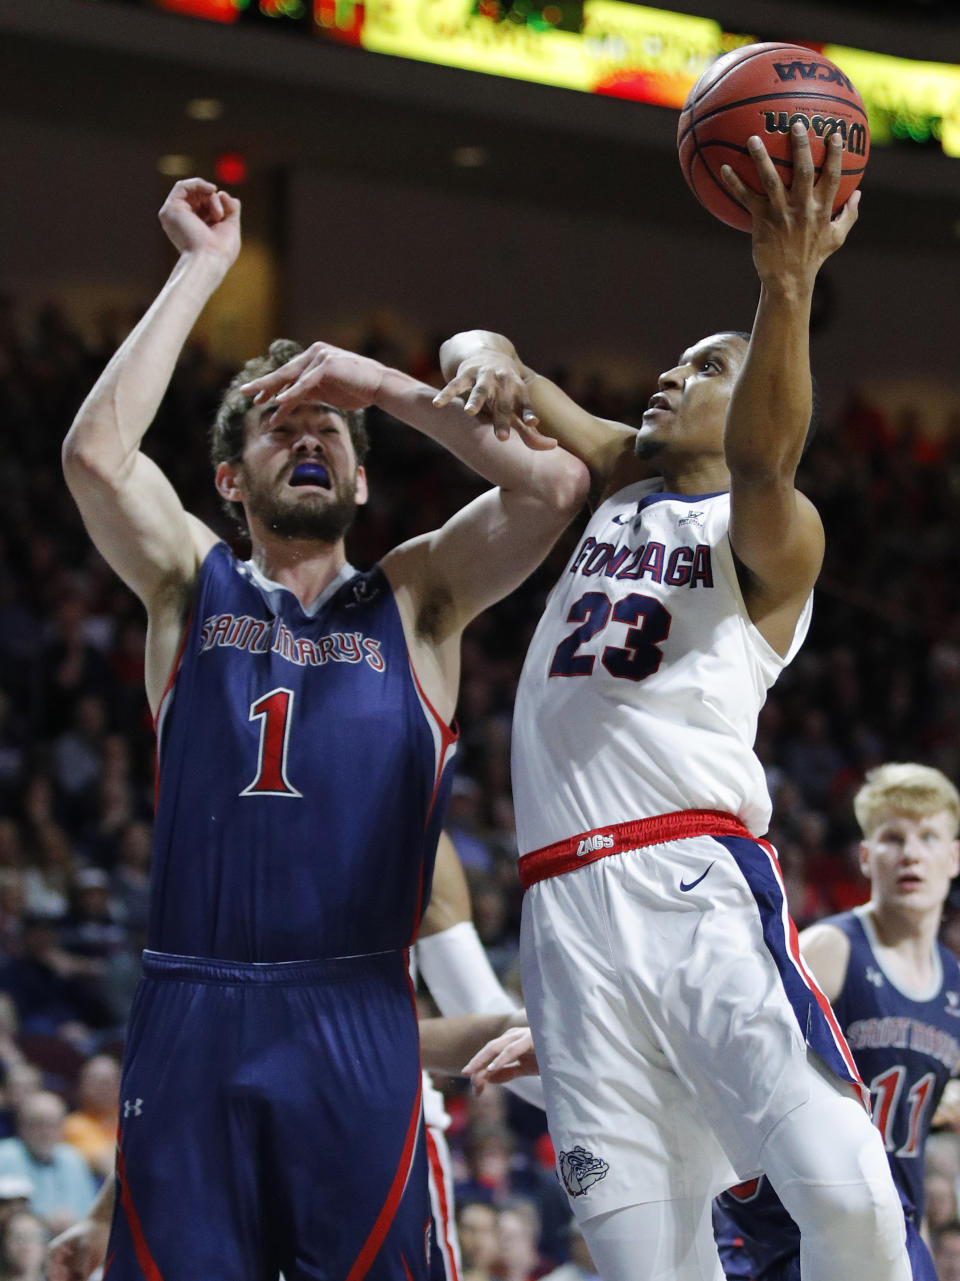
x,y
274,712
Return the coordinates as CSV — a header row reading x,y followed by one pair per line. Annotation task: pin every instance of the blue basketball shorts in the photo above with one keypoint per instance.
x,y
270,1121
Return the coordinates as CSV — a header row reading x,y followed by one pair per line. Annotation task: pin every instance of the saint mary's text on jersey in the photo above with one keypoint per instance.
x,y
263,636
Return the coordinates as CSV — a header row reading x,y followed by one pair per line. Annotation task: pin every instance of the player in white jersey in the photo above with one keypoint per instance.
x,y
453,964
679,1035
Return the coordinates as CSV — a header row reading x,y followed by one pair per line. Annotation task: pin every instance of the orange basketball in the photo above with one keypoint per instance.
x,y
763,89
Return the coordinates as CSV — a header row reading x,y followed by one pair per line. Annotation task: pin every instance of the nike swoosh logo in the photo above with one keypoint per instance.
x,y
693,884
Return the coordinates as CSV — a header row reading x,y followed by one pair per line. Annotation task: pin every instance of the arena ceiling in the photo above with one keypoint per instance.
x,y
125,71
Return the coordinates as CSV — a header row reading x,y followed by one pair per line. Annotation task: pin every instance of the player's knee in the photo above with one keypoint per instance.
x,y
855,1222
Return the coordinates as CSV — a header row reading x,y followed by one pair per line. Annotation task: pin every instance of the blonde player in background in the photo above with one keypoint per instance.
x,y
896,994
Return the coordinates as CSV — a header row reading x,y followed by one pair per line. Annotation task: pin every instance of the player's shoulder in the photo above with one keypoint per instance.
x,y
950,966
825,947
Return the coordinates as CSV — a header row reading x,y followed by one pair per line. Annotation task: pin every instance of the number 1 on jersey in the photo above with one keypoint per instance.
x,y
273,711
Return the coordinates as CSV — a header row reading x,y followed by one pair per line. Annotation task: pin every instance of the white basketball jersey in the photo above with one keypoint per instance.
x,y
641,688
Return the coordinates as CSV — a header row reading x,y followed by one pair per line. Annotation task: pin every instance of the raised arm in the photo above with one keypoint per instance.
x,y
484,369
775,532
129,507
490,546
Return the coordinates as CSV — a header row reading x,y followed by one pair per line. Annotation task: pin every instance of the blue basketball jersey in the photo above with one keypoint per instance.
x,y
906,1049
302,774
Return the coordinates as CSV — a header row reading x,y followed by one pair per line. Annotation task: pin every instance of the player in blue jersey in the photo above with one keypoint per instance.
x,y
270,1103
896,993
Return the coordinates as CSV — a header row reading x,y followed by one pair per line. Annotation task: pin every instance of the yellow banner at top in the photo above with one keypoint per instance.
x,y
618,48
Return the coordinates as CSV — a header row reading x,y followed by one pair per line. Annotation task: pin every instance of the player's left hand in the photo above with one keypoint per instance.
x,y
493,391
502,1059
794,228
322,372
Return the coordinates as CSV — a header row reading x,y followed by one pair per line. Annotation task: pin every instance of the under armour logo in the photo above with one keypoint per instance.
x,y
132,1107
874,976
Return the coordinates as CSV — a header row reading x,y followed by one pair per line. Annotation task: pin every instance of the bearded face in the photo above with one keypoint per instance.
x,y
293,512
298,478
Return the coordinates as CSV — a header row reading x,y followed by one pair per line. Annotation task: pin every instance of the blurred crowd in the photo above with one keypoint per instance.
x,y
879,678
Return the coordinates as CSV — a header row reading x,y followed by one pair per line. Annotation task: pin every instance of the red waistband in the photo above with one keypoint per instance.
x,y
577,851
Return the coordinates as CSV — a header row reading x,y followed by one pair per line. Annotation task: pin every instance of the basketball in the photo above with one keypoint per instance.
x,y
763,89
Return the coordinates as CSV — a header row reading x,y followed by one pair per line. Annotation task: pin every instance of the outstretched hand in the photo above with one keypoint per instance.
x,y
322,372
495,392
502,1059
197,216
794,228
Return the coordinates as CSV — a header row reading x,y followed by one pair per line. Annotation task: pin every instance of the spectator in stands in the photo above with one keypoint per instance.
x,y
518,1226
131,876
23,1248
10,1052
43,983
15,1193
580,1266
500,1172
93,928
22,1081
63,1186
13,906
479,1239
940,1201
92,1128
48,878
946,1252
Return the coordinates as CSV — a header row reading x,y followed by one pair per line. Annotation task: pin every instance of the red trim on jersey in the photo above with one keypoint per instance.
x,y
175,669
145,1259
793,948
562,856
406,1266
163,698
443,1227
448,736
388,1210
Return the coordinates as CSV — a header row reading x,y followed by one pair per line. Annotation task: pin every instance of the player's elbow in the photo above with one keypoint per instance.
x,y
86,464
571,484
759,463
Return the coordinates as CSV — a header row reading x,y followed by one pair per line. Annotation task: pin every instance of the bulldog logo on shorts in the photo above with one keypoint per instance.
x,y
580,1169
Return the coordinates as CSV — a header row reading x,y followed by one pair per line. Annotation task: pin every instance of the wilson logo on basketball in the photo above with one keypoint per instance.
x,y
854,135
812,71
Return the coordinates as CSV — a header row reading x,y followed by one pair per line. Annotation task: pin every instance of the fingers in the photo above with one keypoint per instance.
x,y
741,193
766,170
483,394
458,386
273,384
844,220
503,1049
527,428
829,182
803,170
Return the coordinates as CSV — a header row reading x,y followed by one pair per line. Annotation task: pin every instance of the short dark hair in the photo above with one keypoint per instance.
x,y
228,432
